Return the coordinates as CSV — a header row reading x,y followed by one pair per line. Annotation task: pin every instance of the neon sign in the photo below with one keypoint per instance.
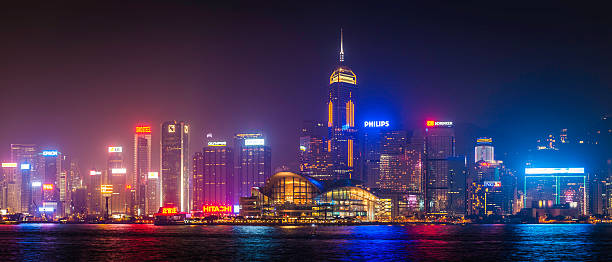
x,y
25,166
106,189
47,187
115,149
171,128
36,184
94,173
376,124
118,171
484,140
49,152
254,142
432,123
219,143
548,171
143,129
153,175
169,210
45,209
9,164
217,209
492,183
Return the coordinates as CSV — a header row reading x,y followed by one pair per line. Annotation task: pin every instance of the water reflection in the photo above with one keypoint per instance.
x,y
364,243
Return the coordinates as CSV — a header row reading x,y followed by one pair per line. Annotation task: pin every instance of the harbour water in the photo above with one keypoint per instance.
x,y
543,242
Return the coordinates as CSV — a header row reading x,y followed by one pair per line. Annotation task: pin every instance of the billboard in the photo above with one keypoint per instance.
x,y
169,210
47,186
153,175
118,171
106,189
376,124
432,123
217,209
25,166
492,183
254,142
217,143
143,129
94,173
49,152
36,184
556,170
9,164
115,149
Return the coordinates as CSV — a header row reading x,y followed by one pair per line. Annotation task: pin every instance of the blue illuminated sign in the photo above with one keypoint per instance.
x,y
49,152
376,124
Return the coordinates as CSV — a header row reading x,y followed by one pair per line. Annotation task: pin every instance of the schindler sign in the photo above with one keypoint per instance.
x,y
376,124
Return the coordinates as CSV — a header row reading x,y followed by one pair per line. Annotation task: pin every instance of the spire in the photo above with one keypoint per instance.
x,y
341,47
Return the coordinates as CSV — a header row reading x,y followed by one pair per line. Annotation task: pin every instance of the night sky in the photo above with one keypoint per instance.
x,y
80,77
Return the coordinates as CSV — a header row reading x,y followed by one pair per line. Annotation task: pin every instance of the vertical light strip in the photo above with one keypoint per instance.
x,y
350,153
182,134
352,123
348,113
328,145
330,114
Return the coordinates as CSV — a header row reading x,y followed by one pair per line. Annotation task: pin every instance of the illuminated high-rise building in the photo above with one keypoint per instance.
x,y
253,163
439,147
95,203
51,204
152,193
313,155
484,150
142,166
29,154
9,187
342,132
213,172
175,165
393,174
117,177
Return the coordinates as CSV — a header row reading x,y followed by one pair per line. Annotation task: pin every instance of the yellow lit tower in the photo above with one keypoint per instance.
x,y
341,144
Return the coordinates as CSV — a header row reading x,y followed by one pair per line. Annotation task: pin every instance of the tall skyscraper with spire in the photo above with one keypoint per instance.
x,y
341,143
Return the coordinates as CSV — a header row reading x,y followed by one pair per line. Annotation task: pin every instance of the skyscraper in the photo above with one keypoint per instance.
x,y
152,193
342,132
484,150
50,189
313,156
253,163
117,176
439,147
29,154
213,170
393,170
142,165
175,165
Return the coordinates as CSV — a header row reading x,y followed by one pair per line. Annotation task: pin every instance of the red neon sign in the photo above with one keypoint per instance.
x,y
217,209
169,210
143,129
47,186
430,123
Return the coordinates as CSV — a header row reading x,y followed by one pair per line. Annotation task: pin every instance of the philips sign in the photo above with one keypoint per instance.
x,y
376,124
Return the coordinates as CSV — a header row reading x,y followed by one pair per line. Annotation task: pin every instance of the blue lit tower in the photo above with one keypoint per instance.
x,y
341,102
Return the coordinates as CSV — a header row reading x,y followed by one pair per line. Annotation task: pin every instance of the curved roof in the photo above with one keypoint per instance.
x,y
267,187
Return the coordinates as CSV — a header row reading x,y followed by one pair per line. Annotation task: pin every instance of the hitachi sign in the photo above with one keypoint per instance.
x,y
376,124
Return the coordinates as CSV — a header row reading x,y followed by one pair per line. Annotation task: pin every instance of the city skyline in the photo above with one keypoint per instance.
x,y
401,68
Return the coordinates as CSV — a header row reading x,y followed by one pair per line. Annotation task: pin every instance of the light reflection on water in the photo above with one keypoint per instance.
x,y
365,243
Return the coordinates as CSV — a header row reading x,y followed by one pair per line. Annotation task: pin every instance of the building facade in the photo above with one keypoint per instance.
x,y
175,165
142,166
